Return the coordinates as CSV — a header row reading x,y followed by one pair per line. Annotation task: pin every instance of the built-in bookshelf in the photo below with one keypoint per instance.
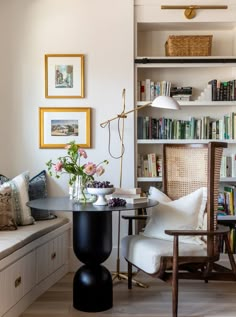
x,y
211,98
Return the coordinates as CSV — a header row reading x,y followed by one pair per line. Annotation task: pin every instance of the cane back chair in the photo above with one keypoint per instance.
x,y
186,168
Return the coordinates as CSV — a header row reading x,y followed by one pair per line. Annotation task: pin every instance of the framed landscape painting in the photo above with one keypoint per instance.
x,y
64,76
59,126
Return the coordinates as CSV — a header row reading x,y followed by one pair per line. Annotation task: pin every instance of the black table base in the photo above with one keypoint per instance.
x,y
92,242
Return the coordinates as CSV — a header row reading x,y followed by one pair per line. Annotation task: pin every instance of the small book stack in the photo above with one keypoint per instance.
x,y
130,195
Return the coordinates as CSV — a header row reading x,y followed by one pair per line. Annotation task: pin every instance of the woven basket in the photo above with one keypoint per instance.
x,y
191,45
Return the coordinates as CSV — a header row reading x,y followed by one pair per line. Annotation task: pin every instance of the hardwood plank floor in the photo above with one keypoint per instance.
x,y
215,299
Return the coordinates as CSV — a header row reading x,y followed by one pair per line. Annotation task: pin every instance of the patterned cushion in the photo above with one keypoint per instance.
x,y
7,221
38,189
20,195
3,179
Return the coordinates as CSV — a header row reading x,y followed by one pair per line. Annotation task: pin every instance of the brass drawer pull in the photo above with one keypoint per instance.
x,y
18,281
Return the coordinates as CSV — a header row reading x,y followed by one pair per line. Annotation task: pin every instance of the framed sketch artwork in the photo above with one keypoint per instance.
x,y
64,76
59,126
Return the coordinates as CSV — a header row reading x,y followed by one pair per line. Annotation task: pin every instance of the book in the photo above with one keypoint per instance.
x,y
127,191
135,200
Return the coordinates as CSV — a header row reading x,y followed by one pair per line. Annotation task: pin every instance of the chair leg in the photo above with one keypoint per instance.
x,y
175,278
129,276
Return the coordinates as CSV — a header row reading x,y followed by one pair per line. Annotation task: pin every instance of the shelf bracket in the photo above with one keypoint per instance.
x,y
190,10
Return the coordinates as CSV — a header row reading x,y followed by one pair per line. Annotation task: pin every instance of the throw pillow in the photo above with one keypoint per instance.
x,y
7,221
183,213
20,195
38,189
3,179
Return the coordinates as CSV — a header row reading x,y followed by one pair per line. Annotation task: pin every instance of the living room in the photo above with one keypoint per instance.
x,y
104,32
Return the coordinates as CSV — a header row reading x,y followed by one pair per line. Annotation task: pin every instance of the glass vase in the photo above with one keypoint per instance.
x,y
77,190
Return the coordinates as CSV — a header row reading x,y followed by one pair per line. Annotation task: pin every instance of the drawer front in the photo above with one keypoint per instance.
x,y
60,249
17,280
51,256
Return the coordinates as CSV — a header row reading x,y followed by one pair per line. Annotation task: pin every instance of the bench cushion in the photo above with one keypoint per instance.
x,y
10,241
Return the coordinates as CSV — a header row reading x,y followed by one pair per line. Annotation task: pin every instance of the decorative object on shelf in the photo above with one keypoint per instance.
x,y
188,45
80,174
58,125
101,193
190,10
159,102
64,76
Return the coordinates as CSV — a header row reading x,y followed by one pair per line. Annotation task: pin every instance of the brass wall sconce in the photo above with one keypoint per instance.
x,y
190,10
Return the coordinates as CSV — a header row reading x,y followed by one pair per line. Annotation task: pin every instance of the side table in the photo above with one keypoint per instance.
x,y
92,244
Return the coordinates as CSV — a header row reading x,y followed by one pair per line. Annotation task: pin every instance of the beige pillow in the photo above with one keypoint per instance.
x,y
20,195
185,213
7,221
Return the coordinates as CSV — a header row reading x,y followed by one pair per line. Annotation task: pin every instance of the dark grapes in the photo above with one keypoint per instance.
x,y
97,184
116,202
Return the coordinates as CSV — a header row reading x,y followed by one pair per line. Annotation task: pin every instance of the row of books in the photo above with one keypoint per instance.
x,y
148,90
194,128
227,206
223,90
149,165
227,200
228,165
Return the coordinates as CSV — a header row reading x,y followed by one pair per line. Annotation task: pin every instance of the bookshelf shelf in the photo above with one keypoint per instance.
x,y
184,141
196,103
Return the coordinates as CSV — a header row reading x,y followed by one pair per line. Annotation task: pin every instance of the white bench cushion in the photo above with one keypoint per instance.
x,y
10,241
145,252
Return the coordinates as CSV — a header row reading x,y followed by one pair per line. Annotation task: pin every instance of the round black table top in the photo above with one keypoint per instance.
x,y
66,204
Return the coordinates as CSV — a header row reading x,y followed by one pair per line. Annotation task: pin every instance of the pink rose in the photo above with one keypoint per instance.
x,y
82,153
90,168
100,170
58,166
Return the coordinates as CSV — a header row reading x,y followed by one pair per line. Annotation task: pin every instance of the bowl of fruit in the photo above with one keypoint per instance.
x,y
100,189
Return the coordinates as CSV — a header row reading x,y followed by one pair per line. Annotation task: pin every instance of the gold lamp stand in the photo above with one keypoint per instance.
x,y
122,116
159,102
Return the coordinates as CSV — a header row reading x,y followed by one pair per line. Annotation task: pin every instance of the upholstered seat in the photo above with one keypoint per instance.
x,y
146,252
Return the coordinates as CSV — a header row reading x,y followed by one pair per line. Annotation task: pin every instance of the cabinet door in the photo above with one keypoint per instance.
x,y
17,280
59,253
51,256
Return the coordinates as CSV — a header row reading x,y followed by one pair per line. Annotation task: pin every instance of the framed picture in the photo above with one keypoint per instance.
x,y
59,126
64,76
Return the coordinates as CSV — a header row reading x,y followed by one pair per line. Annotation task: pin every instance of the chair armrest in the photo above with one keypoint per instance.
x,y
131,218
135,217
219,231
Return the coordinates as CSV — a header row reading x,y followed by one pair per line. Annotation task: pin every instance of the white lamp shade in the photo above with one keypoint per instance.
x,y
165,102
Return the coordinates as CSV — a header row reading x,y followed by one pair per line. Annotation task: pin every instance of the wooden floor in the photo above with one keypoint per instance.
x,y
197,299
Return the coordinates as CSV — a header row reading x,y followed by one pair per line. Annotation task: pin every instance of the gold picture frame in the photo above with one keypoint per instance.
x,y
64,76
59,126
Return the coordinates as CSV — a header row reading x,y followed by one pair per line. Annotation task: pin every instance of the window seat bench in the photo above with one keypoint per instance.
x,y
32,259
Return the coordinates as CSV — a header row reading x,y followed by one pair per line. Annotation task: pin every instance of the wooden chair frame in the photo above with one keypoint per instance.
x,y
173,268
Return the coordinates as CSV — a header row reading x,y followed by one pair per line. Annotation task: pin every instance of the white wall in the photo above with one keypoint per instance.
x,y
102,31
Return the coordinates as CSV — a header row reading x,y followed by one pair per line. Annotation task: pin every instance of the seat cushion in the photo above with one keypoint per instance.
x,y
145,252
185,213
10,241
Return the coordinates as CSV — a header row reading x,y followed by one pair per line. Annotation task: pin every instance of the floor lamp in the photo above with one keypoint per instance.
x,y
165,102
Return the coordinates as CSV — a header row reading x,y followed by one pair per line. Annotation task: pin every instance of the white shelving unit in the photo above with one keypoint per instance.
x,y
153,26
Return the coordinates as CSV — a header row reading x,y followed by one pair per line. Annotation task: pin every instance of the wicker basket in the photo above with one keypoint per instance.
x,y
191,45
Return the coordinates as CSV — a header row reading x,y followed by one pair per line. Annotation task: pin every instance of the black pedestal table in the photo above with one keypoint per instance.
x,y
92,244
